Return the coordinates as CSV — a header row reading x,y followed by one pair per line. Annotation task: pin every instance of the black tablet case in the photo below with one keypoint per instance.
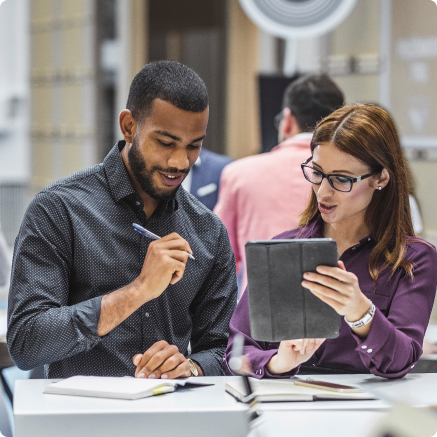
x,y
279,307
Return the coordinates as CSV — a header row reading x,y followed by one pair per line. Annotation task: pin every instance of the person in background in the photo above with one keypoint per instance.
x,y
203,181
263,195
385,282
89,295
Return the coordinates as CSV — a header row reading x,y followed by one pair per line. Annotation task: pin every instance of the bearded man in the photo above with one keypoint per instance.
x,y
91,296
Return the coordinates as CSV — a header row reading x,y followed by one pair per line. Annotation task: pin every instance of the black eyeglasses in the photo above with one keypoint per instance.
x,y
338,182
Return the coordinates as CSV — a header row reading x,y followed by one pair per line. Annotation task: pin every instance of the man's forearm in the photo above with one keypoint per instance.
x,y
164,264
118,306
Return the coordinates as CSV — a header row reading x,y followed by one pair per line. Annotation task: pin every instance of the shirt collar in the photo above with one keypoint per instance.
x,y
116,173
304,135
313,230
369,237
119,181
302,141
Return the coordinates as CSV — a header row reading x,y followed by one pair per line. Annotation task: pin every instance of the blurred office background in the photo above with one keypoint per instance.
x,y
67,65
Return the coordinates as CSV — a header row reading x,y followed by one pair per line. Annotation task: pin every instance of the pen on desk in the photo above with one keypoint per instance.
x,y
151,235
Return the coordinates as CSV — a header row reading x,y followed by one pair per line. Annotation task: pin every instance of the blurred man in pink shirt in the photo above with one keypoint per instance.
x,y
263,195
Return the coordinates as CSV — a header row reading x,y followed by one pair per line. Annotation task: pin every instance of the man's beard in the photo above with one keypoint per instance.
x,y
144,175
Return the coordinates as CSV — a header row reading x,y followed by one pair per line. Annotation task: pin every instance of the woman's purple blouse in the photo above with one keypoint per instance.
x,y
403,307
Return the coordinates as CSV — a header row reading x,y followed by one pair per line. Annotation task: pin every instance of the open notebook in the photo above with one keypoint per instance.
x,y
270,390
126,387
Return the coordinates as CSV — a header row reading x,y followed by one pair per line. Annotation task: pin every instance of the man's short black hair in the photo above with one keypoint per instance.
x,y
170,81
312,98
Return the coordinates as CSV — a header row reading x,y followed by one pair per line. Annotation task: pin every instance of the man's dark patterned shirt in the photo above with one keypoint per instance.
x,y
77,243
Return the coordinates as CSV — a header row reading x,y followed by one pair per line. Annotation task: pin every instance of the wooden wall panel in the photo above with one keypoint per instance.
x,y
139,35
242,115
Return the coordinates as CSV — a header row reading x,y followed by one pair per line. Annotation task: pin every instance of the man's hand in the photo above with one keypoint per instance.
x,y
291,353
162,360
164,264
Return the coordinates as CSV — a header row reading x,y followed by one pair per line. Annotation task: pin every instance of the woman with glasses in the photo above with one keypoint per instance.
x,y
385,282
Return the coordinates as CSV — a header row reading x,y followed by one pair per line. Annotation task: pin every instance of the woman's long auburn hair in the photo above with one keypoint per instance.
x,y
368,133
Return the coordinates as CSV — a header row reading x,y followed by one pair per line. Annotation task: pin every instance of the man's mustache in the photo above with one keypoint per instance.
x,y
171,170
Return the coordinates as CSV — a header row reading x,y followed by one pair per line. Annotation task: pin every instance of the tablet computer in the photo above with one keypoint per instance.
x,y
279,307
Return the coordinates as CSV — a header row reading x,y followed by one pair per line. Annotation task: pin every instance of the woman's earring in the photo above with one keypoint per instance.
x,y
379,188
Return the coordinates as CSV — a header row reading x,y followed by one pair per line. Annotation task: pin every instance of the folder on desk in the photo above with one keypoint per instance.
x,y
284,390
126,387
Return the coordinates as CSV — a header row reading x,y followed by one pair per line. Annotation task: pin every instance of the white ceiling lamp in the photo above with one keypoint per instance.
x,y
296,19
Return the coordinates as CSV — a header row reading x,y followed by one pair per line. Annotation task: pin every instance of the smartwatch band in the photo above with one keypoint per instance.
x,y
366,319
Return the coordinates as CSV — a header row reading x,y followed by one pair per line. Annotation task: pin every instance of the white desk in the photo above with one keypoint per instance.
x,y
209,411
183,413
344,418
320,423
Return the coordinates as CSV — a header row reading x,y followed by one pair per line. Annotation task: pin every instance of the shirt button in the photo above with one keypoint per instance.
x,y
364,347
369,350
369,239
147,314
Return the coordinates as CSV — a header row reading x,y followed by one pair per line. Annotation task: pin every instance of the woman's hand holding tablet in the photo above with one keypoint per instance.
x,y
340,290
292,353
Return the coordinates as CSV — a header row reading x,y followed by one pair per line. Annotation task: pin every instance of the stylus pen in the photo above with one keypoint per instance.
x,y
148,234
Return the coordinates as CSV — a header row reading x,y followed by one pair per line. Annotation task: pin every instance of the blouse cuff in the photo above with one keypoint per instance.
x,y
376,350
259,360
375,339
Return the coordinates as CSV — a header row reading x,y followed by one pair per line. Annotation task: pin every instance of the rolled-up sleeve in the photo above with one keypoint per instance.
x,y
394,343
42,326
212,310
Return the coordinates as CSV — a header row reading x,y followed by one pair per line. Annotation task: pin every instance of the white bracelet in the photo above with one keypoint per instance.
x,y
366,319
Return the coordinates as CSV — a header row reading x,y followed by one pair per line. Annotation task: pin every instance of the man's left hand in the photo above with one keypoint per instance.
x,y
162,360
